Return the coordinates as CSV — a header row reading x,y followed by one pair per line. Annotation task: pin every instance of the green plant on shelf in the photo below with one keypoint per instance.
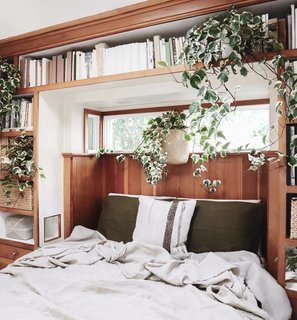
x,y
214,51
291,259
217,49
18,163
10,79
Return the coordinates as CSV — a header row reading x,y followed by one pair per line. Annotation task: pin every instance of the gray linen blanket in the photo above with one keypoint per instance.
x,y
89,277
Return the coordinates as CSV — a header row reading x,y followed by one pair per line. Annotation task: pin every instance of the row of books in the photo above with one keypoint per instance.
x,y
283,30
21,119
102,60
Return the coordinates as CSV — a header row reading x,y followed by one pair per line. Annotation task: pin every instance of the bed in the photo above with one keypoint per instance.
x,y
103,274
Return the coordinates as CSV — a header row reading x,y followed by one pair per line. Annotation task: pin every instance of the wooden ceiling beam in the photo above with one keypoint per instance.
x,y
128,18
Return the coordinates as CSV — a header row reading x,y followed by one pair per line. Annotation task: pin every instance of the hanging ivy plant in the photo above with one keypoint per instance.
x,y
219,48
150,153
10,79
18,163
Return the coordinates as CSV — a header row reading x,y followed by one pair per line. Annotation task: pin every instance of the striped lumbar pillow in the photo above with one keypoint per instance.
x,y
164,223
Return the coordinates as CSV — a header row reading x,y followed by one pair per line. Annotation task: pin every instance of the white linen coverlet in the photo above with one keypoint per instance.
x,y
88,277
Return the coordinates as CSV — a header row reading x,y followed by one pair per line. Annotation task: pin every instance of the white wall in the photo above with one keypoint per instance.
x,y
60,130
50,150
24,16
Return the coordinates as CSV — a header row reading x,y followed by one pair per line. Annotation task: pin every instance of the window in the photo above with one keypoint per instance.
x,y
92,130
124,132
248,124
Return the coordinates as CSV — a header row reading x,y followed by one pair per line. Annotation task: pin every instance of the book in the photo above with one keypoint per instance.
x,y
101,57
273,29
142,56
22,68
94,64
68,66
293,26
282,33
77,65
171,51
134,57
73,66
88,64
83,67
60,68
162,50
53,70
157,52
289,29
45,71
150,54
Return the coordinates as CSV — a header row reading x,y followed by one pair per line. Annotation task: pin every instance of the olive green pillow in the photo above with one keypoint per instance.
x,y
118,218
225,226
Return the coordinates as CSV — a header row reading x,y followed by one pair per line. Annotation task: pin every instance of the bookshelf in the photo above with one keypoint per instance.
x,y
20,120
136,23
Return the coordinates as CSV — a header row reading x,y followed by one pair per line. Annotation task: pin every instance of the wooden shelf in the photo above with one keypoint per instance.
x,y
19,211
291,189
139,74
292,294
15,133
106,79
290,242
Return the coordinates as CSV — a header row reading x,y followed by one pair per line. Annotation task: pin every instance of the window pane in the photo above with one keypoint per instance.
x,y
124,132
93,133
247,124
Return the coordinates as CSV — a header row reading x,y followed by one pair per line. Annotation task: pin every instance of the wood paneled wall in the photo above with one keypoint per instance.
x,y
237,182
88,181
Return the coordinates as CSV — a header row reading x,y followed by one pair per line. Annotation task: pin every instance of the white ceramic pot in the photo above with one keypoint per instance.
x,y
177,147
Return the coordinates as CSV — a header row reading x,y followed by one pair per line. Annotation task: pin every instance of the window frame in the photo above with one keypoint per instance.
x,y
88,112
153,110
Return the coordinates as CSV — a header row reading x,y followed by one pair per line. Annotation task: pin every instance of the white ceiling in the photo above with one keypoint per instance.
x,y
19,16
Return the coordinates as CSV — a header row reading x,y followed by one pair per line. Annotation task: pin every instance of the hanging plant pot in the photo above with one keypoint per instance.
x,y
176,147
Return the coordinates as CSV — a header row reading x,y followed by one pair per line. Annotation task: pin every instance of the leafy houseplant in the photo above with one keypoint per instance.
x,y
216,50
18,162
204,54
17,159
150,153
10,78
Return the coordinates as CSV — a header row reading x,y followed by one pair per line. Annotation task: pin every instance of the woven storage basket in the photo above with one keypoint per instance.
x,y
293,231
24,201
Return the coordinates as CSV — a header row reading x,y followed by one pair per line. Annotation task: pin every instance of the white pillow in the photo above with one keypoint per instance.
x,y
164,223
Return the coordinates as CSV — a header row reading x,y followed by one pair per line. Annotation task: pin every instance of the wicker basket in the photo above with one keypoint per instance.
x,y
293,231
24,201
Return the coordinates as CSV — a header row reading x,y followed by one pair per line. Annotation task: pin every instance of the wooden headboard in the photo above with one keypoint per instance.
x,y
87,181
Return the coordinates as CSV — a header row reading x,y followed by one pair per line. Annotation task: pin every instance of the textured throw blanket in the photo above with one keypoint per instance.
x,y
89,277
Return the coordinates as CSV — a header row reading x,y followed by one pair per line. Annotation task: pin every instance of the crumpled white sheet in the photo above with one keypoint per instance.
x,y
223,276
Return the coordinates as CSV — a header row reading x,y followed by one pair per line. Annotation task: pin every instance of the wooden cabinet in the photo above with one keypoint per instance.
x,y
11,250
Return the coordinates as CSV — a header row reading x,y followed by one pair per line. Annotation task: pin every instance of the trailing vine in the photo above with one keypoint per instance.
x,y
18,162
17,157
205,52
10,79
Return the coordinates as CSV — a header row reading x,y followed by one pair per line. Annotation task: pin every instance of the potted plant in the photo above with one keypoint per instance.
x,y
18,164
219,48
204,54
163,140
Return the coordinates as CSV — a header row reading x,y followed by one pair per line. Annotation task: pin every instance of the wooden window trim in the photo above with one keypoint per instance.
x,y
85,128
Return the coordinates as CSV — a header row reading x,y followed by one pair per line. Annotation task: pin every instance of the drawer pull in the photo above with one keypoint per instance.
x,y
14,254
